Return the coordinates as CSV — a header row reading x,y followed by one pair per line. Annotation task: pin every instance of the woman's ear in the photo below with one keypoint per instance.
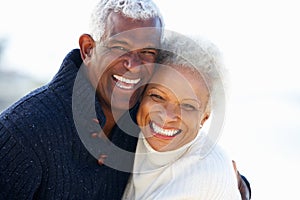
x,y
204,117
86,43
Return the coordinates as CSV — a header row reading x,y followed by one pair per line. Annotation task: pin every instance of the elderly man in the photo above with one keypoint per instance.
x,y
53,142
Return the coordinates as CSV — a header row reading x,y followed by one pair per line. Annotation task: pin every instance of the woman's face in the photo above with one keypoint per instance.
x,y
173,108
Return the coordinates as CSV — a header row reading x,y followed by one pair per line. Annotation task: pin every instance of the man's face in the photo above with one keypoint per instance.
x,y
123,62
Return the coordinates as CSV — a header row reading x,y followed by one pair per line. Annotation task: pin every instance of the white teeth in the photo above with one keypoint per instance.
x,y
162,131
127,87
125,80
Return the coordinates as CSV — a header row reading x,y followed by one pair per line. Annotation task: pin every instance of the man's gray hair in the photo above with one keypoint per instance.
x,y
136,9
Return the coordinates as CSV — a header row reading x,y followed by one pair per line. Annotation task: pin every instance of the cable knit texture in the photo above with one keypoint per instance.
x,y
41,154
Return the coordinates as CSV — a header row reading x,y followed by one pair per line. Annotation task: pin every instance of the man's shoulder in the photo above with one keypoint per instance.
x,y
37,107
50,98
26,102
34,120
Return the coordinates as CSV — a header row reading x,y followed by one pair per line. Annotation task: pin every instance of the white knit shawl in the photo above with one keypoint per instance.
x,y
182,173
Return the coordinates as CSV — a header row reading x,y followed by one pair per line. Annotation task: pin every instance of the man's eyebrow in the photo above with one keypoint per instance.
x,y
116,41
151,48
125,43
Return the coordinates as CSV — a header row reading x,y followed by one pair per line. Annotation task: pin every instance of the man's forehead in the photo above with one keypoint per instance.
x,y
124,27
140,36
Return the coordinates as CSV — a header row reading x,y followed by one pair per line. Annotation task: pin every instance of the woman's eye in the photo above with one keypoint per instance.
x,y
156,97
188,107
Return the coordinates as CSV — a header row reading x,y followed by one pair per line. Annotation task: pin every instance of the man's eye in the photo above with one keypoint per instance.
x,y
152,52
148,54
118,49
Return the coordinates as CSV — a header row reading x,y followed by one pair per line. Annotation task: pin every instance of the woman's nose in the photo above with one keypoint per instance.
x,y
172,112
165,113
169,113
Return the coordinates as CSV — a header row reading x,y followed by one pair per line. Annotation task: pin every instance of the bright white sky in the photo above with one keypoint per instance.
x,y
260,40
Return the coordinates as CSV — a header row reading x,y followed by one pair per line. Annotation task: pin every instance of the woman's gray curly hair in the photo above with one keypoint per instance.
x,y
198,55
136,9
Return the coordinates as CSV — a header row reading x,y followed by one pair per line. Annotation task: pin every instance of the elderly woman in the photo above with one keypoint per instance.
x,y
175,159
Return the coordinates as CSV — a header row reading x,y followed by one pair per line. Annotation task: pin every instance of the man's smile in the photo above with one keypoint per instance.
x,y
126,83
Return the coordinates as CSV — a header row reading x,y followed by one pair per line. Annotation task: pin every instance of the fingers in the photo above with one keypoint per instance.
x,y
234,167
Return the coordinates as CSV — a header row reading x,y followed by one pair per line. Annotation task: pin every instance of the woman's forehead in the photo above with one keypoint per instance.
x,y
179,79
178,72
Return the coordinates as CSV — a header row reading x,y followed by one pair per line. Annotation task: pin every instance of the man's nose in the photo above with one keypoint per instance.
x,y
132,61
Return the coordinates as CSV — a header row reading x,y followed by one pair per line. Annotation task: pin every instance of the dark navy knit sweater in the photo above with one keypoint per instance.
x,y
46,148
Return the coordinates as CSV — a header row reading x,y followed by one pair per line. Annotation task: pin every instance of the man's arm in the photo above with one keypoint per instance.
x,y
19,172
244,187
243,183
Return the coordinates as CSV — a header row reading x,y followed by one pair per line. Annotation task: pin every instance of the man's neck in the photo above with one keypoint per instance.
x,y
111,119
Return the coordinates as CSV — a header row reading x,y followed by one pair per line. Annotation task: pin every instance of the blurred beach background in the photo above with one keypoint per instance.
x,y
260,44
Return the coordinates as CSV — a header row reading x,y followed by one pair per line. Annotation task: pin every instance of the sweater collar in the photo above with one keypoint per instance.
x,y
147,159
74,89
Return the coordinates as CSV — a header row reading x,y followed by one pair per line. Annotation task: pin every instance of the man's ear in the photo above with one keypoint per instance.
x,y
86,43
